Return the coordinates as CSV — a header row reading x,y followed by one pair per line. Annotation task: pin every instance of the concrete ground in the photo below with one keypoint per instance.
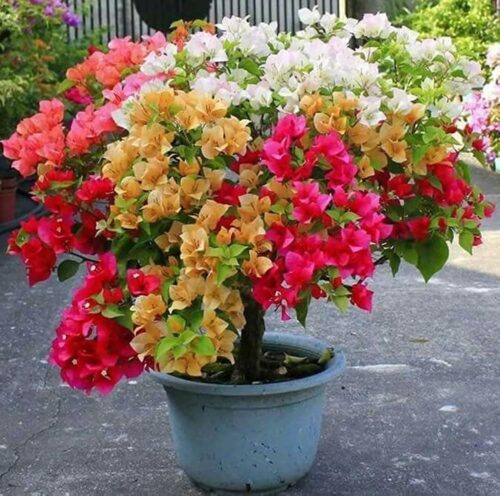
x,y
417,412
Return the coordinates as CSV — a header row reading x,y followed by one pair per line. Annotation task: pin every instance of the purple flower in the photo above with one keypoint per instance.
x,y
71,19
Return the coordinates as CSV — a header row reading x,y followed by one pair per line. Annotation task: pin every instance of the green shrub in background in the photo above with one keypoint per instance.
x,y
473,24
34,56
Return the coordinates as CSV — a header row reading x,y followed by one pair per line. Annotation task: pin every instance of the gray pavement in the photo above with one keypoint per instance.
x,y
417,412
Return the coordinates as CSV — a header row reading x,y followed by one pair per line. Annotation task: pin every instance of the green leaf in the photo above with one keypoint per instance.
x,y
302,308
432,255
224,272
112,311
251,66
165,345
194,317
237,250
466,241
203,346
67,269
407,251
349,217
179,351
214,252
187,336
65,86
436,183
22,237
165,291
125,320
342,303
464,171
394,263
342,291
326,356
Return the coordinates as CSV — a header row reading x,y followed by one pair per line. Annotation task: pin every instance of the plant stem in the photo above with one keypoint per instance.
x,y
82,257
247,367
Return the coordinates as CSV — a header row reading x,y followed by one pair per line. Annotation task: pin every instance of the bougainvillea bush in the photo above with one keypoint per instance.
x,y
483,110
212,176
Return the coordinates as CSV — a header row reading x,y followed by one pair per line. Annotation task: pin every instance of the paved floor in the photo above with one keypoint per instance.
x,y
417,413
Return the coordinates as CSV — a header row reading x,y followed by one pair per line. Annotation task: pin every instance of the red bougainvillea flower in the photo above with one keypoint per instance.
x,y
139,283
420,228
361,296
94,351
95,188
39,258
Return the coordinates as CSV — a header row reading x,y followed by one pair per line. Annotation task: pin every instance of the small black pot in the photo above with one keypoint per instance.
x,y
160,14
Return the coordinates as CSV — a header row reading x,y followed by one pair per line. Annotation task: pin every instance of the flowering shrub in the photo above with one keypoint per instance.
x,y
483,110
34,54
208,178
472,24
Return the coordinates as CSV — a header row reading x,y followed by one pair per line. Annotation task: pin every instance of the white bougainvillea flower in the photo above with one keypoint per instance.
x,y
205,46
160,63
401,102
308,16
447,108
373,26
233,28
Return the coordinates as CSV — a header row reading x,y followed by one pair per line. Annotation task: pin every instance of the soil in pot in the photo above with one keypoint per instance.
x,y
276,366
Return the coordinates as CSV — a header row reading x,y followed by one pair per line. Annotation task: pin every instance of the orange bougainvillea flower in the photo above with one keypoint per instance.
x,y
147,308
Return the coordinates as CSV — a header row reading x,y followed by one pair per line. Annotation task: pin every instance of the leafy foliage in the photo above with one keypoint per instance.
x,y
471,23
34,56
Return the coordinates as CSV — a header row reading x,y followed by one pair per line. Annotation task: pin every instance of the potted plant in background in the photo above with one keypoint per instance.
x,y
160,14
483,113
215,177
8,187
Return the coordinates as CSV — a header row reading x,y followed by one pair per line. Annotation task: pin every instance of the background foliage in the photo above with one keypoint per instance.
x,y
34,56
473,24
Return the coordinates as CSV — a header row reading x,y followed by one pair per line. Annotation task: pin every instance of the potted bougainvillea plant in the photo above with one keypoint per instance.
x,y
220,172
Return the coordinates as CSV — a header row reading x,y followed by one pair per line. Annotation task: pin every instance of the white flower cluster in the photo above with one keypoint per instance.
x,y
491,91
263,68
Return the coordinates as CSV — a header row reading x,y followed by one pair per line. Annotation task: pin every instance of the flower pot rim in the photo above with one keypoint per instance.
x,y
294,343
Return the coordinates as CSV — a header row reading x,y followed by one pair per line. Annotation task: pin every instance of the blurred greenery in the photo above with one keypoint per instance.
x,y
34,56
395,8
473,24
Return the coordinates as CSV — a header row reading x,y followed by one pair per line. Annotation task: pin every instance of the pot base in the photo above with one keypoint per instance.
x,y
216,492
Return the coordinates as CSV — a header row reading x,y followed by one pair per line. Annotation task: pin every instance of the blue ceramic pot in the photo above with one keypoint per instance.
x,y
256,439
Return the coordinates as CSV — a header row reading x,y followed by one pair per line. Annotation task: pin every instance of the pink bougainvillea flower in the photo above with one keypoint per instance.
x,y
309,204
299,269
291,127
37,139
